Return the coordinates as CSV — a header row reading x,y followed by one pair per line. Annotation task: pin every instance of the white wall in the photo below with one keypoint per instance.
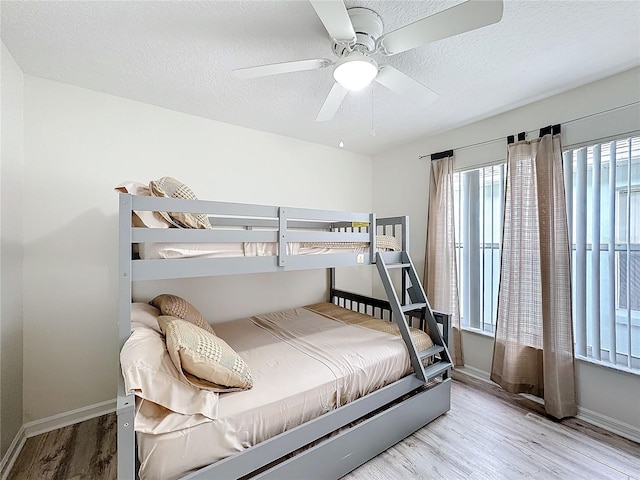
x,y
79,144
11,214
407,193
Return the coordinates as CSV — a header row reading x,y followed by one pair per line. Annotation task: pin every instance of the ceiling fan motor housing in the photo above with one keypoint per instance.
x,y
368,27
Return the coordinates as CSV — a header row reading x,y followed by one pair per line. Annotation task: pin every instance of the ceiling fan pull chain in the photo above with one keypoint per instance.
x,y
373,132
341,144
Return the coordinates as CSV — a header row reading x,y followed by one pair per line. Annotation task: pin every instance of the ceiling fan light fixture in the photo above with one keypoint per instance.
x,y
355,71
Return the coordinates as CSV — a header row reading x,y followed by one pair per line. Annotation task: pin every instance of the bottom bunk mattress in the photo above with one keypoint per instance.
x,y
305,362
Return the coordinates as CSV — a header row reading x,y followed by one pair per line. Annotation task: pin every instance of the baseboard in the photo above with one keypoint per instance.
x,y
48,424
12,453
65,419
474,373
610,424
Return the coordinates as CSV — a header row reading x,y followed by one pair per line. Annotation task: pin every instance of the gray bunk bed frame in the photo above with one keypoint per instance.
x,y
366,426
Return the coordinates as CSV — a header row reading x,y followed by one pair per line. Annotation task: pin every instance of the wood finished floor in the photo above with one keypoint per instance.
x,y
84,451
488,434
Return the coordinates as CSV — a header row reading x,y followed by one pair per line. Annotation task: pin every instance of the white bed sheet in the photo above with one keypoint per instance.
x,y
303,365
149,251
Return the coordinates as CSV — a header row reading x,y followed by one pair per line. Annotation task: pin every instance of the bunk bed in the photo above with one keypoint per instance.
x,y
244,239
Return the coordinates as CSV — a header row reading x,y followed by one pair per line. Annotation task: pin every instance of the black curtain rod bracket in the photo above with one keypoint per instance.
x,y
550,130
441,155
521,136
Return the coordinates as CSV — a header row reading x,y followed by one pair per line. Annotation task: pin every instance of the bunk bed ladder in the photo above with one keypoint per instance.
x,y
418,302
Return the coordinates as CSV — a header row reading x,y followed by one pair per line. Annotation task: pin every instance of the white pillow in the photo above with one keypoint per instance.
x,y
144,315
150,374
155,419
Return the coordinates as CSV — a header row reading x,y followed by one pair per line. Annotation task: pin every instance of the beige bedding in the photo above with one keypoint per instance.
x,y
150,251
303,363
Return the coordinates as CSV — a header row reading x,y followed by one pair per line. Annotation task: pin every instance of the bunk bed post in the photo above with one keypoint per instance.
x,y
282,236
125,405
404,221
332,283
373,234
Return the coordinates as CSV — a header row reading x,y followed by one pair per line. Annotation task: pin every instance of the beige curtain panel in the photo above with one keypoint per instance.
x,y
533,350
440,275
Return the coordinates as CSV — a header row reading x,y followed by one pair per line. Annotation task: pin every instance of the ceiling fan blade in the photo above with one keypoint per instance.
x,y
335,18
285,67
461,18
404,85
332,103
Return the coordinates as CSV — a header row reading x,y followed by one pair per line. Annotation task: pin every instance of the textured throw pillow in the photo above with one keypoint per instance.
x,y
143,218
206,361
172,188
174,306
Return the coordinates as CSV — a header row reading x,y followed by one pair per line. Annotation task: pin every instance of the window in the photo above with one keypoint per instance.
x,y
634,256
603,205
479,199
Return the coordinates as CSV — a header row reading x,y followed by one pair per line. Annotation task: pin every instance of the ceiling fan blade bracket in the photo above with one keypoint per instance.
x,y
381,48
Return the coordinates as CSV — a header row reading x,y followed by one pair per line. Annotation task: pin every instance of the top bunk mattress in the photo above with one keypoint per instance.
x,y
151,251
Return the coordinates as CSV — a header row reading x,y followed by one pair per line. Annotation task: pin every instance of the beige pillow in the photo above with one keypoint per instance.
x,y
172,188
174,306
143,218
206,361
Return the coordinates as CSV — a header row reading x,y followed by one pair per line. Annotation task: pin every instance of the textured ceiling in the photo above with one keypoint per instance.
x,y
180,54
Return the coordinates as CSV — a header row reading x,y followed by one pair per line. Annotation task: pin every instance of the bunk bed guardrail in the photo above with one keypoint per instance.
x,y
237,222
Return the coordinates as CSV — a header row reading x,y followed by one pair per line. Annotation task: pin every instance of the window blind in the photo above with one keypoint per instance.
x,y
602,184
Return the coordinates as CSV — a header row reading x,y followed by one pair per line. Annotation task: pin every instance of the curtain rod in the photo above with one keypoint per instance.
x,y
500,139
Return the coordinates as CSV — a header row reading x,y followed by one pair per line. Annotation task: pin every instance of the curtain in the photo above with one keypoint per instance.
x,y
440,274
533,350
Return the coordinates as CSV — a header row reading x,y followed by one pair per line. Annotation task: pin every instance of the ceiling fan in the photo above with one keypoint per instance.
x,y
357,35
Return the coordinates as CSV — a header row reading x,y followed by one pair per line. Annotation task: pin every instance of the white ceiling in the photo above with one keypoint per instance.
x,y
180,54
